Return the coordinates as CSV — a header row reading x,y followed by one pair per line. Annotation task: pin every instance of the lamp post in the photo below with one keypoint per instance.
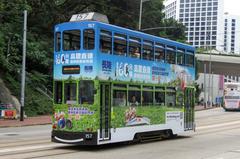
x,y
210,76
140,14
23,66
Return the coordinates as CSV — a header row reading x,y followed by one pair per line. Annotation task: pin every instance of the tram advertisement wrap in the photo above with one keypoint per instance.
x,y
122,69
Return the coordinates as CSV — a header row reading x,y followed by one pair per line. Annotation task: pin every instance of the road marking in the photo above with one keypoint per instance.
x,y
12,149
26,133
217,125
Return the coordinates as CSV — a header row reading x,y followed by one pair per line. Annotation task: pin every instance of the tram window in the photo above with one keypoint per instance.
x,y
170,56
86,92
57,41
148,50
106,41
160,88
89,39
147,98
138,87
134,47
149,88
120,44
171,89
180,57
71,40
180,100
70,93
160,98
189,60
119,98
159,54
58,92
170,98
134,98
121,86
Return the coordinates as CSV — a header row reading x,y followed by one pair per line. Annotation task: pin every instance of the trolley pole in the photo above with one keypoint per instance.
x,y
140,16
23,66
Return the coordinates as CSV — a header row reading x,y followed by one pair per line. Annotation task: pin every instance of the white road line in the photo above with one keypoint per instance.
x,y
26,133
12,149
217,125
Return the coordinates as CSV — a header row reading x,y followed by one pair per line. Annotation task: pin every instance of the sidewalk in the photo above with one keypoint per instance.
x,y
40,120
201,107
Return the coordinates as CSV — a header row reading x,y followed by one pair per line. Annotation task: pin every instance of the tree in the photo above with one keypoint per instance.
x,y
43,15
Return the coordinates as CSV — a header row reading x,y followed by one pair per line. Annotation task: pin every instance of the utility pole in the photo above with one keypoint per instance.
x,y
210,77
212,90
204,85
23,66
209,69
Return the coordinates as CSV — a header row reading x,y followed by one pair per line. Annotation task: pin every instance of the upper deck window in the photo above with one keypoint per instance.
x,y
171,54
180,57
134,47
71,40
147,50
120,44
57,41
159,52
105,41
189,60
89,39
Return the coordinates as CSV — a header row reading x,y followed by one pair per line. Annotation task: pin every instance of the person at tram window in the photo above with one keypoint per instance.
x,y
136,53
120,50
159,57
134,102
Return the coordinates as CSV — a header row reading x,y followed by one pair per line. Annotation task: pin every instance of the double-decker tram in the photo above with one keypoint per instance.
x,y
113,84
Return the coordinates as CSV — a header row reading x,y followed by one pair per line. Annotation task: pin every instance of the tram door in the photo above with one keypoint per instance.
x,y
189,109
105,107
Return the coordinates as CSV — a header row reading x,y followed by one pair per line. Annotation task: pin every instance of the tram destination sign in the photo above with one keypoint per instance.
x,y
72,69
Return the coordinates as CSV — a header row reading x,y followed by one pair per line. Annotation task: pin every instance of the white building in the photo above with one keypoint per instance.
x,y
231,34
202,18
211,86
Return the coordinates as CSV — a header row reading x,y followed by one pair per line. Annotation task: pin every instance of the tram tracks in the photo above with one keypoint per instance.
x,y
217,128
37,153
41,147
23,143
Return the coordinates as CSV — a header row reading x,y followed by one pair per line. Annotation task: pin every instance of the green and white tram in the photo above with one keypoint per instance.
x,y
113,84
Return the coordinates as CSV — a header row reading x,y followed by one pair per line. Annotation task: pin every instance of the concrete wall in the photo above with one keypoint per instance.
x,y
213,87
6,97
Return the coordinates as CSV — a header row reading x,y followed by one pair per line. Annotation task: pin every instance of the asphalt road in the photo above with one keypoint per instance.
x,y
217,137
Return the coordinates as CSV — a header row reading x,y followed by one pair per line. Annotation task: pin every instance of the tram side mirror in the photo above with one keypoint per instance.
x,y
95,91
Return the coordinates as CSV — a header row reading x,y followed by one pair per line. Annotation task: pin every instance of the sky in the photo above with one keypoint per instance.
x,y
232,7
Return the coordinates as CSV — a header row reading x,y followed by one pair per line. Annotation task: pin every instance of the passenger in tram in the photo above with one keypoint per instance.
x,y
136,53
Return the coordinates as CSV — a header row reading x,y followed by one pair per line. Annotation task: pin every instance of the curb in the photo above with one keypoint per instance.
x,y
206,108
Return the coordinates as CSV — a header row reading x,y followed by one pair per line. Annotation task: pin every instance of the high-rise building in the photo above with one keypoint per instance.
x,y
231,34
202,18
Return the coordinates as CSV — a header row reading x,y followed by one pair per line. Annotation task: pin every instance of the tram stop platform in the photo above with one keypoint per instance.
x,y
46,119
